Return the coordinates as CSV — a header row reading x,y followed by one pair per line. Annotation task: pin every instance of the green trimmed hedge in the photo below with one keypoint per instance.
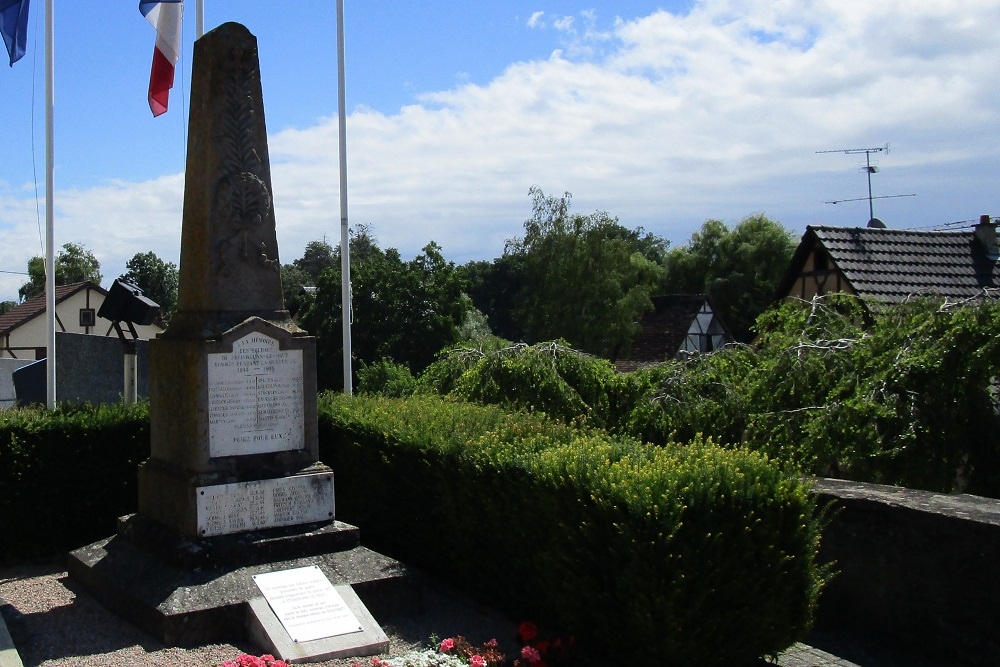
x,y
680,555
66,475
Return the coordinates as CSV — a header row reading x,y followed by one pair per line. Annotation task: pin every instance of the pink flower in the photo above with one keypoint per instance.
x,y
267,658
447,645
530,654
477,661
493,643
527,631
229,663
279,663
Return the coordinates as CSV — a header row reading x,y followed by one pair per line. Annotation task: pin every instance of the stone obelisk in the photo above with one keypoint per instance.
x,y
233,380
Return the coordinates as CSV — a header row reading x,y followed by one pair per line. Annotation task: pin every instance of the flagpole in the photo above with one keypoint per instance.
x,y
345,252
50,266
199,10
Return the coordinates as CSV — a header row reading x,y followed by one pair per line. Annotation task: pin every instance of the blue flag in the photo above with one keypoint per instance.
x,y
14,27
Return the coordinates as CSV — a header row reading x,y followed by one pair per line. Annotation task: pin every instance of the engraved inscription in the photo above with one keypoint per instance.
x,y
255,398
268,503
307,605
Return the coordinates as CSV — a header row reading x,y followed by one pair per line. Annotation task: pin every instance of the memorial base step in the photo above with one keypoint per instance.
x,y
188,606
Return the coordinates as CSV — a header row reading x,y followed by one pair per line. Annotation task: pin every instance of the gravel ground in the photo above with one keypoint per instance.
x,y
55,624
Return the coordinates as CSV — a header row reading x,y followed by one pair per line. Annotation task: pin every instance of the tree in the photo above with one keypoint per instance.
x,y
739,269
7,306
74,264
157,280
317,258
493,288
402,311
585,278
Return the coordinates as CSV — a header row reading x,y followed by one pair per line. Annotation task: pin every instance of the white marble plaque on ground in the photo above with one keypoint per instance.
x,y
266,503
255,398
306,604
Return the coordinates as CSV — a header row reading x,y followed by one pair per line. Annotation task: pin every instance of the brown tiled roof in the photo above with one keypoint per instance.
x,y
888,265
663,329
35,306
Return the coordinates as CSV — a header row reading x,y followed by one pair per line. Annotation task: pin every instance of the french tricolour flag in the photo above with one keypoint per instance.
x,y
165,16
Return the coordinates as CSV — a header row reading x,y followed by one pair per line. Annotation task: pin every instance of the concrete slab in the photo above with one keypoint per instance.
x,y
266,631
187,607
9,656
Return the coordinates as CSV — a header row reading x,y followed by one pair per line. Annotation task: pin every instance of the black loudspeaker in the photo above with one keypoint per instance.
x,y
125,303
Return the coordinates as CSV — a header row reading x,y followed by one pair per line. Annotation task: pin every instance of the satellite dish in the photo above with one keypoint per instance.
x,y
875,223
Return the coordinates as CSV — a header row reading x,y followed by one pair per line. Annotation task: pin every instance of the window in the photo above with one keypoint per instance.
x,y
88,317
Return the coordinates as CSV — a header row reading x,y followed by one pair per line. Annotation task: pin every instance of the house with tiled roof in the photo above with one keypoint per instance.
x,y
885,266
24,329
678,324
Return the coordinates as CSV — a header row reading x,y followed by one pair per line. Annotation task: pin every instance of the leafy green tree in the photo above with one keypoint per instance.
x,y
156,278
585,278
293,283
494,288
74,264
7,306
404,312
739,269
305,272
317,258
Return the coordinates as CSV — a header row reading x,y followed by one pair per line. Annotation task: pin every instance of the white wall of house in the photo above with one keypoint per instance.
x,y
22,342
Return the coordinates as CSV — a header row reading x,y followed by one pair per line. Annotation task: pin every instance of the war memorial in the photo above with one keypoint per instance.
x,y
235,536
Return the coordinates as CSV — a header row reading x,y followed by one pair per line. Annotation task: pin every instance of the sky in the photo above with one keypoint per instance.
x,y
664,114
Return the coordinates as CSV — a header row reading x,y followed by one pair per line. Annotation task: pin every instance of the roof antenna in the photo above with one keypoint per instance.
x,y
870,169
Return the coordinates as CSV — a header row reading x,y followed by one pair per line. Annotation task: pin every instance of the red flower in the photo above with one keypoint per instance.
x,y
447,645
527,632
542,646
477,661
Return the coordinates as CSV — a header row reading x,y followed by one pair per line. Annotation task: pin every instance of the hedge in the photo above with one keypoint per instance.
x,y
680,555
66,475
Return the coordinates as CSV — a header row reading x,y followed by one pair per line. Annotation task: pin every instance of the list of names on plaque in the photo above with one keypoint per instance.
x,y
266,503
255,398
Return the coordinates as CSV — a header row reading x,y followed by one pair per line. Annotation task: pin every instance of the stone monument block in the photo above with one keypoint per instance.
x,y
228,414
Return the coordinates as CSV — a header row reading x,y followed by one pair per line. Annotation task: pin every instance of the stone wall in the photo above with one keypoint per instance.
x,y
91,369
918,571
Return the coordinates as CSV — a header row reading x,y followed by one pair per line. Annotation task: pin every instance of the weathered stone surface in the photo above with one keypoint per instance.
x,y
185,607
916,571
229,267
181,419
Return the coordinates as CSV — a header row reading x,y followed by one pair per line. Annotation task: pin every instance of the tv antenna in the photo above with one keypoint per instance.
x,y
869,169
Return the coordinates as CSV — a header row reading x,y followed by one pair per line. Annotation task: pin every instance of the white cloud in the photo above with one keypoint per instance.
x,y
536,20
717,113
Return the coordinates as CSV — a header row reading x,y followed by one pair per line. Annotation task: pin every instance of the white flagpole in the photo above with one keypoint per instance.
x,y
199,9
50,266
345,253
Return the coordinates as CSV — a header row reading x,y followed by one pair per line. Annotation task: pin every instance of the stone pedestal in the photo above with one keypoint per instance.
x,y
233,433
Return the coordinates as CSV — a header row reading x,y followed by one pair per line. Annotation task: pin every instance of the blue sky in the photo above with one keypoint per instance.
x,y
663,114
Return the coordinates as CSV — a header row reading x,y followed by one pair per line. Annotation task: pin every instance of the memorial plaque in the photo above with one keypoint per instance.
x,y
255,398
306,604
266,503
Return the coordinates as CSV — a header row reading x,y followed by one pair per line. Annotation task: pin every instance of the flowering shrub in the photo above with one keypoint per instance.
x,y
488,655
538,652
244,660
